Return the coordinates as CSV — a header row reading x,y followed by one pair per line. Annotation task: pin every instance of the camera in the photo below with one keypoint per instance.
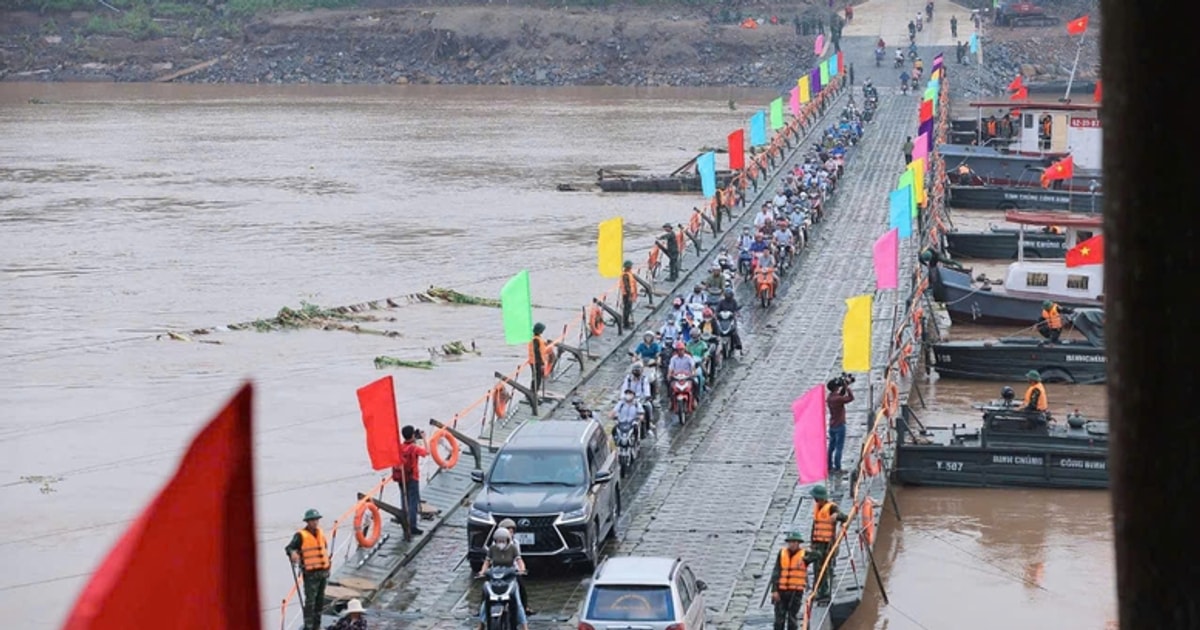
x,y
840,381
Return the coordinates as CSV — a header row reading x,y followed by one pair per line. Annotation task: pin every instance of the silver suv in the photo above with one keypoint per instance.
x,y
643,593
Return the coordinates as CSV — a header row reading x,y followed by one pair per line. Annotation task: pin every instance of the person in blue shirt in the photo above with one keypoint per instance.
x,y
649,349
758,245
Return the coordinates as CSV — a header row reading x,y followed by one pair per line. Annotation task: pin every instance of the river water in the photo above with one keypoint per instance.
x,y
129,210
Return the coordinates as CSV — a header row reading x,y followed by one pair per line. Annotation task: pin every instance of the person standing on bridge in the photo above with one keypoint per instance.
x,y
629,293
309,551
839,396
953,27
826,515
908,150
669,244
539,358
412,449
788,580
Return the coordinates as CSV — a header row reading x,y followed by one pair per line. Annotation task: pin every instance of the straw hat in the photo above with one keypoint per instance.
x,y
354,606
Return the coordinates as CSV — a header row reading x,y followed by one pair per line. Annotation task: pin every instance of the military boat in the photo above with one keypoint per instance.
x,y
1018,299
1012,448
1070,360
998,243
988,197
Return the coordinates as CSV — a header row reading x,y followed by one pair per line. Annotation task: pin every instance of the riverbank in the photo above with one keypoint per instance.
x,y
473,45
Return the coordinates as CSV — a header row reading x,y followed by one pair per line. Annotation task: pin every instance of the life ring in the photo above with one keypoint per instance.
x,y
891,399
905,353
595,321
436,454
871,463
918,319
500,398
371,537
868,521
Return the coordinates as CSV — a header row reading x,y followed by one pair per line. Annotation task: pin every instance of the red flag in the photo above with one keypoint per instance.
x,y
1096,94
190,558
1016,84
378,404
1021,94
737,150
1078,26
1062,169
926,111
1089,252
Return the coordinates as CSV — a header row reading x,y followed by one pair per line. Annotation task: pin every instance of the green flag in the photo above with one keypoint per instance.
x,y
516,306
777,113
824,68
907,180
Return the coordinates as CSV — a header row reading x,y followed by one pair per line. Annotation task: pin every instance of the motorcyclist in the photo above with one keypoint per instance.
x,y
912,29
764,216
918,66
648,350
637,381
670,332
715,283
920,21
626,410
503,553
880,44
708,322
698,348
683,364
746,238
759,245
783,239
729,303
677,309
697,296
904,78
899,57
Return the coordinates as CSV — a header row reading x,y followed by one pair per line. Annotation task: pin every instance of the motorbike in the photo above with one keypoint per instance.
x,y
683,397
904,87
765,287
920,24
500,598
726,326
878,57
898,63
744,264
628,439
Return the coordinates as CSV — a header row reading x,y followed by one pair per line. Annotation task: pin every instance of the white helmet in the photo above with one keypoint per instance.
x,y
501,535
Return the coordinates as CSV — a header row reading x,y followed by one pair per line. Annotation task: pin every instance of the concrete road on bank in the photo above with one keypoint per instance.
x,y
722,491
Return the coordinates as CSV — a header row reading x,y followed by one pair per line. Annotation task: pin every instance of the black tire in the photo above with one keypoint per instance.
x,y
624,466
593,559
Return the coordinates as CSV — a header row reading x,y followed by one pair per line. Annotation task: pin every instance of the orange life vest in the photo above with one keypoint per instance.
x,y
314,553
1052,317
823,518
1042,403
629,287
793,574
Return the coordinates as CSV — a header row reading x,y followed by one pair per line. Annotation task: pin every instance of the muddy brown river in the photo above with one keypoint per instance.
x,y
130,210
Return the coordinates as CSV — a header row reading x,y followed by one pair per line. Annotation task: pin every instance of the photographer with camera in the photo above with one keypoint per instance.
x,y
408,475
839,396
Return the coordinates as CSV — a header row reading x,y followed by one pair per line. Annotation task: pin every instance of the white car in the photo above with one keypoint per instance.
x,y
644,593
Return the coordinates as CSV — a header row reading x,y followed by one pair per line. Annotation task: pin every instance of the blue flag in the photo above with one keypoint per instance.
x,y
974,43
707,166
899,210
758,129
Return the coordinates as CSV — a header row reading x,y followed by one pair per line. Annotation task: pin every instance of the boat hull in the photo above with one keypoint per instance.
x,y
1023,198
1002,244
995,167
1000,467
1070,361
658,184
967,304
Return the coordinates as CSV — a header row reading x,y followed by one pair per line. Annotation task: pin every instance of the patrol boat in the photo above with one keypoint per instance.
x,y
1018,300
1000,243
1012,448
1070,360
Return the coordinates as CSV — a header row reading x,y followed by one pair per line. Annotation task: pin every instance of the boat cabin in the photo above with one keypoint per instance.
x,y
1053,278
1045,128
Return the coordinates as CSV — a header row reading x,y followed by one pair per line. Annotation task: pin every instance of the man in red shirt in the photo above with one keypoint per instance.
x,y
408,474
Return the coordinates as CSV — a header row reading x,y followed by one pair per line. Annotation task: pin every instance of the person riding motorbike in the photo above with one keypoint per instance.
x,y
683,364
764,216
912,29
729,303
670,332
759,245
783,240
648,350
503,553
780,197
919,66
677,309
904,78
899,58
715,284
643,388
881,43
699,350
697,295
626,410
920,22
746,239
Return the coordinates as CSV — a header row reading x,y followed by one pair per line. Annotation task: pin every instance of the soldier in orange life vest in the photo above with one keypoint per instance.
x,y
1051,325
539,355
1035,395
310,552
629,293
826,516
788,580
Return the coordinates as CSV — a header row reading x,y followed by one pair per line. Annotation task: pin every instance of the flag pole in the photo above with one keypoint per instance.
x,y
1074,66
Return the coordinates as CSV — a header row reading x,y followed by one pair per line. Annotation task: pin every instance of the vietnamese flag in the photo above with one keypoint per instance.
x,y
190,558
737,150
1062,169
1089,252
1016,84
925,111
1078,26
1021,94
1096,94
377,401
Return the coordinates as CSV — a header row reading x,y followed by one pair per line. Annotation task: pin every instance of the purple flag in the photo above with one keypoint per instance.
x,y
887,260
926,129
808,435
814,79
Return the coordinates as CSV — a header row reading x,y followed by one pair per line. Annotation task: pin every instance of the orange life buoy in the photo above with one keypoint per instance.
x,y
436,454
500,398
891,399
370,537
871,463
918,323
905,353
596,321
868,521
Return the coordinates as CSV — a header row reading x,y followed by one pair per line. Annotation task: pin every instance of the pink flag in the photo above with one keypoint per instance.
x,y
819,45
887,260
808,435
921,146
794,101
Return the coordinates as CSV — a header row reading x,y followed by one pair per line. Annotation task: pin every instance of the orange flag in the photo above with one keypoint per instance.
x,y
1078,26
377,401
190,558
1062,169
1096,94
1089,252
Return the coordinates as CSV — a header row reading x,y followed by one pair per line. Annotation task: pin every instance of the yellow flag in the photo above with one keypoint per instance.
x,y
918,169
856,335
611,248
802,83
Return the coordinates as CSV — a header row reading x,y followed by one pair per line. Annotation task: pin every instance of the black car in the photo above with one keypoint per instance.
x,y
554,479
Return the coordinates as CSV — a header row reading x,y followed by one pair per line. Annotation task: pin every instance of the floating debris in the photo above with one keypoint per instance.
x,y
312,316
454,349
178,336
47,482
454,297
386,362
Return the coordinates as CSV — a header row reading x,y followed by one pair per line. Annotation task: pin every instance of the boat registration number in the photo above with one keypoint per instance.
x,y
523,538
950,466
